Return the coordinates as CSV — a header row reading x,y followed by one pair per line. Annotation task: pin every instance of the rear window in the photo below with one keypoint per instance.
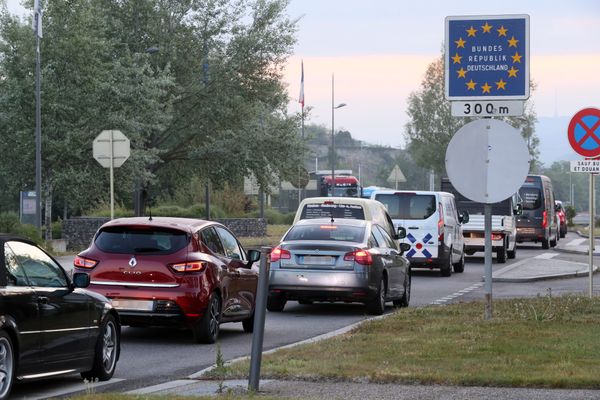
x,y
346,211
326,232
408,205
532,198
133,240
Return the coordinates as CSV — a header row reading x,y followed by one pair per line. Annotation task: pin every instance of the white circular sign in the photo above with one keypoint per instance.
x,y
487,160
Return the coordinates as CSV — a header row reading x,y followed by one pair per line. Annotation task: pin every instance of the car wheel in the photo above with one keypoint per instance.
x,y
107,352
405,299
446,268
555,241
460,265
275,303
501,255
377,305
545,244
207,329
512,253
7,365
248,324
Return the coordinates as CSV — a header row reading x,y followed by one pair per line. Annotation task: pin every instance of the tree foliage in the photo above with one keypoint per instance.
x,y
432,126
195,85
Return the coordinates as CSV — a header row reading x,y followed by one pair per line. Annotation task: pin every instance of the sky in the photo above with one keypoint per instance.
x,y
378,52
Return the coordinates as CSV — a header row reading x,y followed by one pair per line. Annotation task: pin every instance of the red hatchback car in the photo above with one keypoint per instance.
x,y
173,271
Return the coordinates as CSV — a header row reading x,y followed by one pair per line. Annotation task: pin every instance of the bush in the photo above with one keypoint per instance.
x,y
274,217
570,211
9,222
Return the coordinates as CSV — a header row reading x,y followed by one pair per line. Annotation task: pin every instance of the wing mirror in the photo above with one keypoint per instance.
x,y
404,247
464,217
518,209
401,232
253,256
81,280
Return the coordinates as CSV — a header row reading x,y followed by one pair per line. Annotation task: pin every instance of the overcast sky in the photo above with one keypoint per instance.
x,y
379,50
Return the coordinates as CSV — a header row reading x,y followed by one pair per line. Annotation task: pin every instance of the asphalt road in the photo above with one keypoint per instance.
x,y
153,356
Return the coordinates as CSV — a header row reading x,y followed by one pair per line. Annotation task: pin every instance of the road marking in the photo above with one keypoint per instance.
x,y
546,256
576,242
453,296
69,388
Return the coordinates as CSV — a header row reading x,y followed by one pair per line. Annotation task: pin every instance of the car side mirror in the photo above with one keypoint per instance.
x,y
404,247
253,256
464,217
518,209
81,280
401,232
557,207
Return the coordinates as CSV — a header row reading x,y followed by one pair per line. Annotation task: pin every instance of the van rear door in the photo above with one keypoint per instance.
x,y
533,206
417,214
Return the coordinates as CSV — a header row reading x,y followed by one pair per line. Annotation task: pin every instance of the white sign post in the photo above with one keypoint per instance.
x,y
396,176
111,149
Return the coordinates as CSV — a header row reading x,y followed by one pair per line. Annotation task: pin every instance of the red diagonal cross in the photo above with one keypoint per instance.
x,y
589,132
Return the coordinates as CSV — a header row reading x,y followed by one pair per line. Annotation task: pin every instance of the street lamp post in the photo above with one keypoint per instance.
x,y
333,108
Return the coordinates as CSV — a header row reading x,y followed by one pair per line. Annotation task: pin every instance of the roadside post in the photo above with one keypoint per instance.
x,y
487,75
111,149
260,311
584,136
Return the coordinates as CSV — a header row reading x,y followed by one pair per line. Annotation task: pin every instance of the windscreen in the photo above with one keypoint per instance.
x,y
134,240
532,198
408,205
326,232
329,210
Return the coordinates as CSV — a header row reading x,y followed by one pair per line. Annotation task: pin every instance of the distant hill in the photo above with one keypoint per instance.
x,y
554,145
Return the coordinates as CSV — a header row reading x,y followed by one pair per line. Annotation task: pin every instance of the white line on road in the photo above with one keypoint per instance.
x,y
576,242
457,294
546,256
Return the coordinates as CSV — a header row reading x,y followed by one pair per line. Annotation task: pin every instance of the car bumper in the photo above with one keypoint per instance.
x,y
321,285
530,234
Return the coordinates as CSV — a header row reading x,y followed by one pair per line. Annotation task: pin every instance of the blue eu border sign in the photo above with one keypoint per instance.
x,y
487,57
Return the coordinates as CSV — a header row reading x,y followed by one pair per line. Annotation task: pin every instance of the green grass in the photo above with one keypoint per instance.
x,y
543,342
274,234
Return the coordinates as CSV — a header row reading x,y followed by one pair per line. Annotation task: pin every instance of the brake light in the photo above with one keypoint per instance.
x,y
328,202
82,262
280,254
544,219
497,236
362,257
441,224
190,266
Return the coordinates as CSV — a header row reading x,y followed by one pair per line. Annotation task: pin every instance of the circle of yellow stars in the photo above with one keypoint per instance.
x,y
487,28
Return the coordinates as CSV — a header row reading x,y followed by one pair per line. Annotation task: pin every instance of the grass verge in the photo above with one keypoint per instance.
x,y
548,341
274,234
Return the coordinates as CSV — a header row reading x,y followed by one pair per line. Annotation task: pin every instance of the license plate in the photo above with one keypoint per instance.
x,y
319,260
136,305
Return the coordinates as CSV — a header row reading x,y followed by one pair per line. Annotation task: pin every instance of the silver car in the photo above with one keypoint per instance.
x,y
339,260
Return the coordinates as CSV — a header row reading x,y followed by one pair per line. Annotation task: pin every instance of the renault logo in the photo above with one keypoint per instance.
x,y
132,262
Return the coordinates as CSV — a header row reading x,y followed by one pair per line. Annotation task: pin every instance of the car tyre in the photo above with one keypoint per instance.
x,y
275,303
377,305
460,265
545,244
405,299
207,329
501,254
106,353
7,365
512,253
248,324
446,268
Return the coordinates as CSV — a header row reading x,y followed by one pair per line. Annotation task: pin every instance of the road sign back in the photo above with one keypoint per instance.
x,y
584,132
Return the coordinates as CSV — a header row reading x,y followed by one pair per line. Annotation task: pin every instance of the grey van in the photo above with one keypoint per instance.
x,y
537,223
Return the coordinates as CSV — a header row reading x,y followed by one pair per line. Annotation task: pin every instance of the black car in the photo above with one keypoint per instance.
x,y
49,324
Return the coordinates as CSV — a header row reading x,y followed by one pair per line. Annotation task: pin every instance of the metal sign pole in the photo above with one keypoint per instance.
x,y
112,178
259,320
487,210
591,234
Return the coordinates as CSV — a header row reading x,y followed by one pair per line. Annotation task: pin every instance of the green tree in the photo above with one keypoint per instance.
x,y
432,126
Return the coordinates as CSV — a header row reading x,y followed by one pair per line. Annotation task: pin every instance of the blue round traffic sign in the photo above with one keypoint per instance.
x,y
584,132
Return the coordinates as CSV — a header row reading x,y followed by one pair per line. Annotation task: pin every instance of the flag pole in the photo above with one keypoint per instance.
x,y
301,97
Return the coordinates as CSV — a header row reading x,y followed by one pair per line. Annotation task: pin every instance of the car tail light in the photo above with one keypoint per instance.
x,y
189,266
278,254
82,262
441,224
545,220
497,236
362,257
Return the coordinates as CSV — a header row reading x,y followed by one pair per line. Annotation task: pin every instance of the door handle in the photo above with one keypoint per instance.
x,y
43,300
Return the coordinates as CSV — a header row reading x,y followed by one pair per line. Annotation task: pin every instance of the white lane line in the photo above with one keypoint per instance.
x,y
576,242
456,294
546,256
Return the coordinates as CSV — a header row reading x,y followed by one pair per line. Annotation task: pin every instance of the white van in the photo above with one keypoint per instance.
x,y
433,227
348,208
